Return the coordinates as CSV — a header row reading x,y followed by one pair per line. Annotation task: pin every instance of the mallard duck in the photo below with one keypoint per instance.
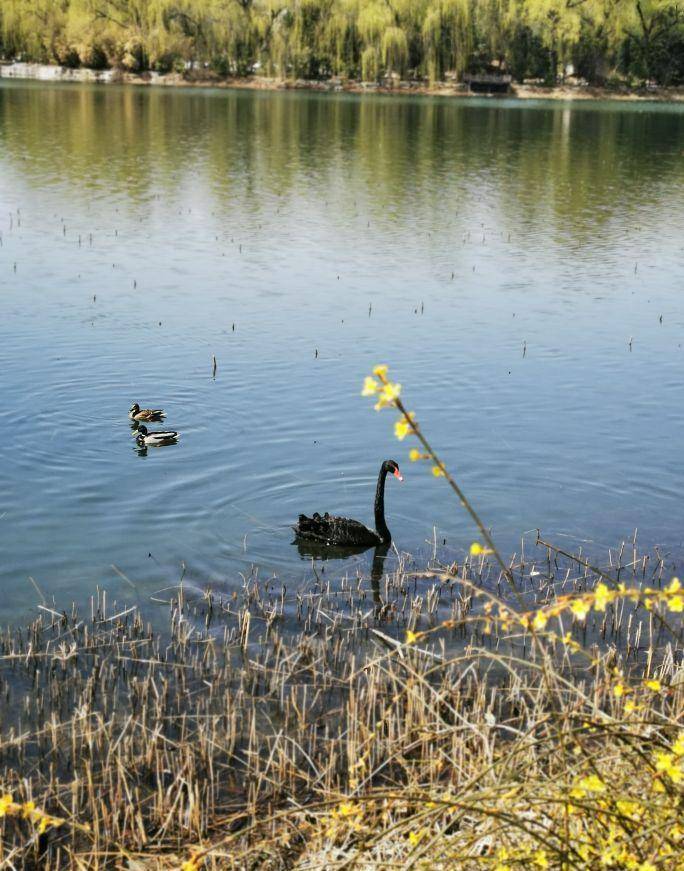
x,y
149,414
155,439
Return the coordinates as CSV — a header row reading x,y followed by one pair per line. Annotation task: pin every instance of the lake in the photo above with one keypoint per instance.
x,y
519,266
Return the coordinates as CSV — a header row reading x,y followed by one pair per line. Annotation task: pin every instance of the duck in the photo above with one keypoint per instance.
x,y
334,531
155,439
150,415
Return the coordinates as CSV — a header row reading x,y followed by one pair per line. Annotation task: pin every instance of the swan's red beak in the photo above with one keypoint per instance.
x,y
397,474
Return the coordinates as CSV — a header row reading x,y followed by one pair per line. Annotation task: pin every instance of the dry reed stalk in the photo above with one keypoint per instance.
x,y
300,730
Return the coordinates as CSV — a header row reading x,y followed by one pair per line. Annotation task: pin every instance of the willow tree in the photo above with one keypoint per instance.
x,y
656,29
35,28
116,28
602,32
367,38
315,59
341,37
230,34
558,24
374,18
394,50
493,26
446,38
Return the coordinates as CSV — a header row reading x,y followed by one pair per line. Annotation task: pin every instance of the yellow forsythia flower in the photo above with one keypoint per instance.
x,y
540,620
592,783
437,472
391,391
602,595
579,608
6,802
676,604
674,586
669,764
627,808
618,690
415,454
402,427
370,386
380,371
663,760
476,549
540,859
654,685
678,746
412,637
388,394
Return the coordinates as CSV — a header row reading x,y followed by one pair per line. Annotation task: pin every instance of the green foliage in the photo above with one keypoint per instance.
x,y
637,40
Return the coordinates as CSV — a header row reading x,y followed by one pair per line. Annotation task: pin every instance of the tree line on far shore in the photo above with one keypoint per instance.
x,y
600,41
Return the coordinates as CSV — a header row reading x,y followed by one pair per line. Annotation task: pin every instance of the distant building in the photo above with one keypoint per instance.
x,y
488,83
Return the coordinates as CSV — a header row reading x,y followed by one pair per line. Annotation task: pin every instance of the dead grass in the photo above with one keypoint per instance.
x,y
298,729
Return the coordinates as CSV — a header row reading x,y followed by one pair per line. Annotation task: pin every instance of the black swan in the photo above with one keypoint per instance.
x,y
342,531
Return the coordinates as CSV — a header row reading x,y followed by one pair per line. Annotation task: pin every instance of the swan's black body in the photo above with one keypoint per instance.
x,y
344,532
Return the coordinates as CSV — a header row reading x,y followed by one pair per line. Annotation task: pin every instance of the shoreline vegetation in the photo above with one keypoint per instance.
x,y
205,78
419,715
416,45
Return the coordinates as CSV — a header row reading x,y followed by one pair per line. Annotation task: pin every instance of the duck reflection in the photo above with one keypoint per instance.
x,y
140,449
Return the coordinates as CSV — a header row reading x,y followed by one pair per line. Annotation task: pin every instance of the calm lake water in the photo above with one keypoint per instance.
x,y
510,252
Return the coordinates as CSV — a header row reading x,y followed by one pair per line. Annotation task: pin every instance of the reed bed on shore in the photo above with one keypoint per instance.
x,y
420,715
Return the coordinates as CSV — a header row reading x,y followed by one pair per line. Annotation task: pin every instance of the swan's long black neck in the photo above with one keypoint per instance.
x,y
380,524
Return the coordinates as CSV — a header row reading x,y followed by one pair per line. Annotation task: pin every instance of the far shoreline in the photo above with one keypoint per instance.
x,y
49,73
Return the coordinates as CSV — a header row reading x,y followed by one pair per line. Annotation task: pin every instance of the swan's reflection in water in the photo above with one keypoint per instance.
x,y
310,550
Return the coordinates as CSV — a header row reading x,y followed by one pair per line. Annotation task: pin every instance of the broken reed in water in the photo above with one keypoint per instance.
x,y
274,729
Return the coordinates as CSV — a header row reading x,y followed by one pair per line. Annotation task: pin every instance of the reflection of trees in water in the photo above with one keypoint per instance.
x,y
571,169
